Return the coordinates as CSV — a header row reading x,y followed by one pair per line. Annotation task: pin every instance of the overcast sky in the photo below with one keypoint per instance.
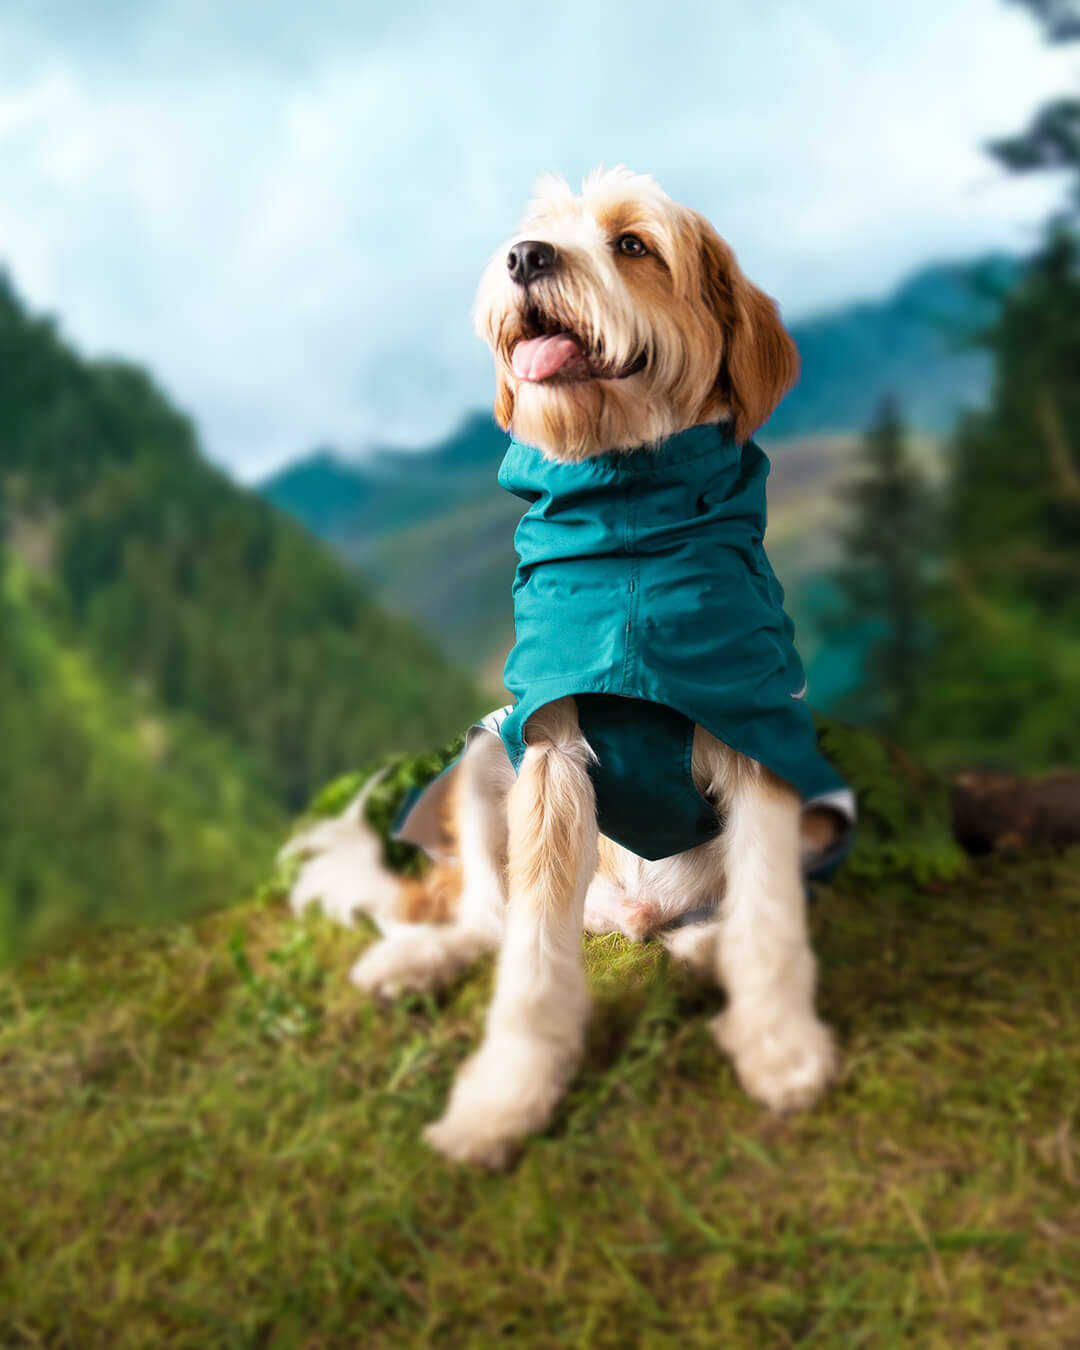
x,y
282,208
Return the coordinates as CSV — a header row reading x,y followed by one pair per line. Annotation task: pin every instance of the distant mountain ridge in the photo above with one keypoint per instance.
x,y
350,502
919,344
433,534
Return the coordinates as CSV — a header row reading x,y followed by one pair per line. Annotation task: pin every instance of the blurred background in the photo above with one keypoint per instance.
x,y
251,536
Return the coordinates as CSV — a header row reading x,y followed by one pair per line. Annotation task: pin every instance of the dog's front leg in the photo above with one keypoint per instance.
x,y
536,1023
783,1054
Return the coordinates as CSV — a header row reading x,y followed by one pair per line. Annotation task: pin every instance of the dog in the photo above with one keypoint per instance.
x,y
621,326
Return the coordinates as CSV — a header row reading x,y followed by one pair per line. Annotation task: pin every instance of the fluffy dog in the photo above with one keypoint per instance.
x,y
618,320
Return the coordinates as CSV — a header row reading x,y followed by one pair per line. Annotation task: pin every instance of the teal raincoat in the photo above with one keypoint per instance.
x,y
643,590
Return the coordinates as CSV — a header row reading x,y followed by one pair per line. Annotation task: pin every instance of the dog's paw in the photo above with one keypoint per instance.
x,y
463,1141
695,946
414,961
388,968
508,1090
785,1066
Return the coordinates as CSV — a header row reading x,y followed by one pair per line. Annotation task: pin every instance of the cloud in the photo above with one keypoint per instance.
x,y
282,210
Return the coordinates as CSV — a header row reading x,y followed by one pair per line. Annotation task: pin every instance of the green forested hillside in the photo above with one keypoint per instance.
x,y
180,665
194,588
429,529
111,808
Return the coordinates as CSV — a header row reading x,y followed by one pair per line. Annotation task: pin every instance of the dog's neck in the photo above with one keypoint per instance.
x,y
717,416
722,419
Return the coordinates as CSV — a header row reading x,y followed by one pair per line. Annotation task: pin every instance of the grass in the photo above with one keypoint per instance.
x,y
208,1138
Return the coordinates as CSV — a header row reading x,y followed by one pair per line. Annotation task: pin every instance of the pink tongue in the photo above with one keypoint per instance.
x,y
539,358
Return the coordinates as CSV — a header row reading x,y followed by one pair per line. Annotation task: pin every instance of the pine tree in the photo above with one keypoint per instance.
x,y
884,575
1014,489
1007,664
1052,140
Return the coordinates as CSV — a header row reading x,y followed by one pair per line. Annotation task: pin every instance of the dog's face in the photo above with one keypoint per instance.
x,y
619,317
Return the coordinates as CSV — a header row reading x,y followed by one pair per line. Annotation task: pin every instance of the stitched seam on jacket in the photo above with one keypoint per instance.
x,y
629,540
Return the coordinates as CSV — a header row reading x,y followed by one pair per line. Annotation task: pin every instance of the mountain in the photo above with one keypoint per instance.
x,y
322,490
181,663
195,587
433,534
429,529
355,502
919,344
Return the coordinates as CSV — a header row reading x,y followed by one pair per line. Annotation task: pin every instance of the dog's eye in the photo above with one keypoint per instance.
x,y
631,245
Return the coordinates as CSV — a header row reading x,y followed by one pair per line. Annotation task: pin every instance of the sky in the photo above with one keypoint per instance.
x,y
282,209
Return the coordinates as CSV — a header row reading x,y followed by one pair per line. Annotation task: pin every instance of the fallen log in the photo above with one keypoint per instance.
x,y
1004,812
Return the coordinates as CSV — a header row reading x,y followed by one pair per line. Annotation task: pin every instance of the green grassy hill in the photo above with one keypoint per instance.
x,y
242,1167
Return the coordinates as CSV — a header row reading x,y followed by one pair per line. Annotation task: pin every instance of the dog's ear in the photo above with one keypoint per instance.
x,y
760,361
504,400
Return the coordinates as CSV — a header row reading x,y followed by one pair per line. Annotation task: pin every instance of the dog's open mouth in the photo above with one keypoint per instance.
x,y
552,352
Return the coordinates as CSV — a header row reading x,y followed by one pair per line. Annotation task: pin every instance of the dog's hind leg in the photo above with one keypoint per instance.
x,y
536,1022
783,1054
424,956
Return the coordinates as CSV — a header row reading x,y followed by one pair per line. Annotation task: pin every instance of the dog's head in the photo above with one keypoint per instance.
x,y
619,317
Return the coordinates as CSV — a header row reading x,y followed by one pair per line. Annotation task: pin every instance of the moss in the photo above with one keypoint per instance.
x,y
399,775
905,828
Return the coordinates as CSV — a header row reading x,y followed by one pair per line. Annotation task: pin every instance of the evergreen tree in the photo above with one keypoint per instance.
x,y
1060,18
1008,618
883,576
1008,654
1014,488
1052,140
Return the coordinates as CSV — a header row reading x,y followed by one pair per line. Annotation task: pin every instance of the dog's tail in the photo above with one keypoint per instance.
x,y
540,990
552,815
344,872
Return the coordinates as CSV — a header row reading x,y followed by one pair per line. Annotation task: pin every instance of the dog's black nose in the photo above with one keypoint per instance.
x,y
530,259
